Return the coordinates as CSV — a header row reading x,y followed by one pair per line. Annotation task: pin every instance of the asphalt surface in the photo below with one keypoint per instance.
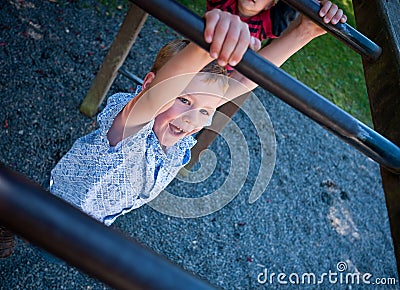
x,y
323,209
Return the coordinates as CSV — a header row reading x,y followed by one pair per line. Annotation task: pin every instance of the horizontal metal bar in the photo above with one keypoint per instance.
x,y
342,31
285,87
102,252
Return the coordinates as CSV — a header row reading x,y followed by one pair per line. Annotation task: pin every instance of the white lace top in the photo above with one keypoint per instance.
x,y
106,181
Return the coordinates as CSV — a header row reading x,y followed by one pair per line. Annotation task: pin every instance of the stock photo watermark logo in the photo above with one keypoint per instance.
x,y
186,207
341,275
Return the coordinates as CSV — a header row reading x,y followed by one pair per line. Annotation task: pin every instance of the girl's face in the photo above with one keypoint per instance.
x,y
249,8
190,112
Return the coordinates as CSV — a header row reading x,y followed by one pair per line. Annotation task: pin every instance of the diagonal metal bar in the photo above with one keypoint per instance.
x,y
285,87
130,75
63,230
342,31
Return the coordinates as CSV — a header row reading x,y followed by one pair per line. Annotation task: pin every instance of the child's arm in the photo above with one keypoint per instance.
x,y
298,34
229,38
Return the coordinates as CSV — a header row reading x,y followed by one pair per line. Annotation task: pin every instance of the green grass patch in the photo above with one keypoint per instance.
x,y
335,71
198,6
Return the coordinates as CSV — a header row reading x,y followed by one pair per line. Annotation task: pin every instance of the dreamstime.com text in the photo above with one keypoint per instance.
x,y
331,277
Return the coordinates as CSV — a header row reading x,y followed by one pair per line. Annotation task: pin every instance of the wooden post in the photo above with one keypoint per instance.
x,y
120,48
379,20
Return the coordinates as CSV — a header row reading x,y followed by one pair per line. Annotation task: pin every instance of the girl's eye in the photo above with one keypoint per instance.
x,y
184,100
204,112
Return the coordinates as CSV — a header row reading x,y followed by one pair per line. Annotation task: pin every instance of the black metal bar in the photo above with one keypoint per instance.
x,y
285,87
342,31
102,252
130,75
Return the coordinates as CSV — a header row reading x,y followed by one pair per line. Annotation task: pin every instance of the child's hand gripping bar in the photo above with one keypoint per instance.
x,y
285,87
342,31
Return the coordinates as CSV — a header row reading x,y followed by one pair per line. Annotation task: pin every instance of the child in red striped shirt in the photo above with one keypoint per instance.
x,y
270,19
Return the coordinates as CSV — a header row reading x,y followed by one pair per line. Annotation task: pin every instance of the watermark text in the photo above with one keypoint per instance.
x,y
339,276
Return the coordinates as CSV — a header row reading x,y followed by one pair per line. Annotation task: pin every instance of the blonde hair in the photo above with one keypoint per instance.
x,y
167,52
214,71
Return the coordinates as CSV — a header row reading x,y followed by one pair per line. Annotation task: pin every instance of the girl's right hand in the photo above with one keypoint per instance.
x,y
229,37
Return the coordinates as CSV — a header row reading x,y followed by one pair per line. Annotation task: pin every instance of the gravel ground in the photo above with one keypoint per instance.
x,y
323,205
